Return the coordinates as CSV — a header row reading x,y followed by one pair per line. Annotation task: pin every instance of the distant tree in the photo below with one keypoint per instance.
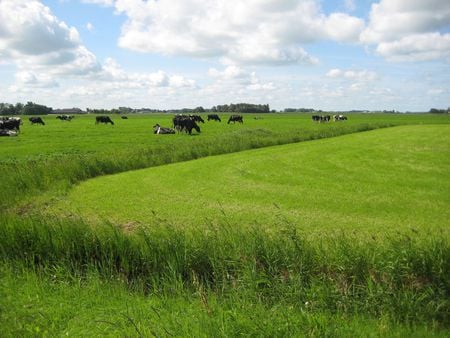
x,y
242,108
199,109
35,109
438,111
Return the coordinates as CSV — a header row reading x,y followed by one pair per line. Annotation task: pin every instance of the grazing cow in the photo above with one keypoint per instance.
x,y
103,119
10,124
214,117
65,117
157,129
36,119
339,118
235,118
123,117
321,118
197,118
186,123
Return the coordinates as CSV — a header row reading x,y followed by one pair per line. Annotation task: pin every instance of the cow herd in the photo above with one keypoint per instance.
x,y
188,123
327,118
10,126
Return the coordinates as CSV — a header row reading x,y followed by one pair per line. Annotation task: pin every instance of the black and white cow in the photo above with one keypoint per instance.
x,y
185,123
214,117
157,129
10,124
235,118
65,117
321,118
339,118
103,119
36,120
197,118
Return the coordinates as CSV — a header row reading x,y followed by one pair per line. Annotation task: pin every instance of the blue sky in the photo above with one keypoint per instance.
x,y
330,55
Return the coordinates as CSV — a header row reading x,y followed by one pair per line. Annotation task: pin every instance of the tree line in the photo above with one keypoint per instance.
x,y
242,108
29,108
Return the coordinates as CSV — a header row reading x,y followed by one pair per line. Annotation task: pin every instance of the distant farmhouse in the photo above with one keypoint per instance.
x,y
68,111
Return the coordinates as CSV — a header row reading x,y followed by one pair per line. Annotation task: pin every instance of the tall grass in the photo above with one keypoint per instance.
x,y
404,279
23,179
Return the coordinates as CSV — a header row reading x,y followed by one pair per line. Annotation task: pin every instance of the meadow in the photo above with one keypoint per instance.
x,y
336,229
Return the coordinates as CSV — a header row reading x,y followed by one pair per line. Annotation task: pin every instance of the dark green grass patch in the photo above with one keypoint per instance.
x,y
51,306
398,280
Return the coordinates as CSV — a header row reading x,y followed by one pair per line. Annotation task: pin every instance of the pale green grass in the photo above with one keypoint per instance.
x,y
375,182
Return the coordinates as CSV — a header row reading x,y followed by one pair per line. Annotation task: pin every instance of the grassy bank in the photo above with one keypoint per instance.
x,y
402,279
91,307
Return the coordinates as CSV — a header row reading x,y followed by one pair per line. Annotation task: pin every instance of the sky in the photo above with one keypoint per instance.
x,y
172,54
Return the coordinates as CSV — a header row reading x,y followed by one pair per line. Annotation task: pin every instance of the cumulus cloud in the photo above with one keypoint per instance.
x,y
417,47
409,30
47,53
360,75
249,32
41,45
29,28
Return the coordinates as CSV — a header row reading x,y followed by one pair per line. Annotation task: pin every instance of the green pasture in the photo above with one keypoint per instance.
x,y
278,227
83,136
380,181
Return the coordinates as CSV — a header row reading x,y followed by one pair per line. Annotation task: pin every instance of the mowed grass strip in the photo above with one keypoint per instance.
x,y
370,183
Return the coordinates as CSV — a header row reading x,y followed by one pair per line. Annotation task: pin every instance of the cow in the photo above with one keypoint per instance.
x,y
197,118
36,120
235,118
214,117
6,132
186,123
321,118
65,117
103,119
339,118
157,129
10,124
123,117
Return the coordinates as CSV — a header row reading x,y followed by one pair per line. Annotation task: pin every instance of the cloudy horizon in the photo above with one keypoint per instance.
x,y
171,54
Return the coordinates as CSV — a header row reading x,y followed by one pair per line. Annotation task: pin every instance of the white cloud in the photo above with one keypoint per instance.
x,y
38,43
356,75
99,2
34,80
409,30
89,27
47,53
417,47
29,28
251,32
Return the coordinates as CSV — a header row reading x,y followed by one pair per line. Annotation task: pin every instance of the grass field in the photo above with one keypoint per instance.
x,y
375,182
343,235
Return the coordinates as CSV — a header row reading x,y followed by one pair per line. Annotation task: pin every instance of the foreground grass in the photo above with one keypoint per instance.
x,y
51,306
227,275
384,181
